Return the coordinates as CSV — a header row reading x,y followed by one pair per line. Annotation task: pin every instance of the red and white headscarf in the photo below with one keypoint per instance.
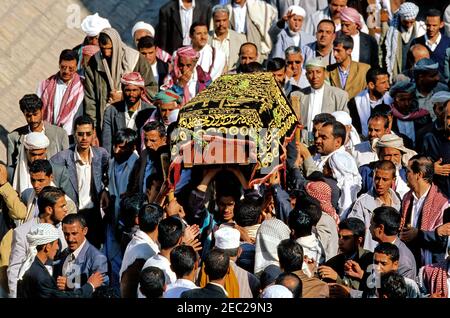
x,y
350,14
135,78
322,191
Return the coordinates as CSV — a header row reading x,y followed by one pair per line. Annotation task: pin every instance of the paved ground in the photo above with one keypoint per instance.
x,y
33,33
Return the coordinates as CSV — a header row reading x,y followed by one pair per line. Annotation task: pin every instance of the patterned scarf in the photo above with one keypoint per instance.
x,y
419,113
436,276
74,92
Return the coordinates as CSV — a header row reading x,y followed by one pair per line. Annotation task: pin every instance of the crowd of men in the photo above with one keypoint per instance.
x,y
360,208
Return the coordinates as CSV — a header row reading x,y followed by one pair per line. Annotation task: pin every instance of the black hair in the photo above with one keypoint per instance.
x,y
373,73
146,42
301,222
389,250
170,231
125,135
322,118
290,255
48,197
155,125
196,24
434,13
339,130
382,108
30,103
276,64
152,281
345,40
73,218
382,116
248,212
310,205
182,260
129,208
41,165
155,176
83,120
251,67
385,165
104,38
292,282
150,215
355,225
393,286
423,164
216,264
68,55
329,22
389,217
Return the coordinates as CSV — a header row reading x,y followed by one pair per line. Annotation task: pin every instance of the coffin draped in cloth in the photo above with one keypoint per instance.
x,y
240,119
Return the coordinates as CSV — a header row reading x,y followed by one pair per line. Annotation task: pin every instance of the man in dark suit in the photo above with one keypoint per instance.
x,y
132,112
31,107
147,47
88,169
216,267
35,280
80,259
172,31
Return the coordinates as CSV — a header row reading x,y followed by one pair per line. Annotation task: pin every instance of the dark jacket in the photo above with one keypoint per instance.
x,y
163,69
169,32
209,291
38,283
368,50
438,55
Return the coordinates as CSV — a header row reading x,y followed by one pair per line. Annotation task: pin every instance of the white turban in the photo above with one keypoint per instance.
x,y
227,237
345,119
141,25
440,97
39,234
276,291
296,10
36,140
92,25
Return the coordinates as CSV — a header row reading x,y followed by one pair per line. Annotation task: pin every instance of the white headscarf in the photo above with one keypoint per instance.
x,y
346,173
141,25
39,234
31,141
345,119
93,24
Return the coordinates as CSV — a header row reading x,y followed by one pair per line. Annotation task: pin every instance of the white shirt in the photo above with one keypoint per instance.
x,y
192,84
164,264
222,46
61,88
71,270
432,46
131,121
240,16
363,153
417,207
155,72
84,176
176,289
186,21
315,105
355,51
206,60
141,246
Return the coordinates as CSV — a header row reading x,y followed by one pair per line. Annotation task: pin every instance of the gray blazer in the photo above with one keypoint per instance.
x,y
57,136
236,40
100,162
407,263
19,249
334,99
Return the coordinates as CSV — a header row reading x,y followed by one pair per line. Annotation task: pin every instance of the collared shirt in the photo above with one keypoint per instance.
x,y
302,80
192,84
223,46
84,176
61,88
176,289
240,17
430,45
315,105
70,270
417,207
155,72
207,62
186,20
226,293
355,51
343,75
130,121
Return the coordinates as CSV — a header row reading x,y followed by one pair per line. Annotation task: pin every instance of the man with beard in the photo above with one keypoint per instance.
x,y
132,112
120,168
376,93
168,107
323,47
295,74
380,194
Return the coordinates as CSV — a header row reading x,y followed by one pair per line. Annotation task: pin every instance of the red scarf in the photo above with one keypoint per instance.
x,y
411,116
68,102
435,277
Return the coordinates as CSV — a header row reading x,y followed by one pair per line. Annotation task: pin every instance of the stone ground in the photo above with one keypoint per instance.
x,y
33,33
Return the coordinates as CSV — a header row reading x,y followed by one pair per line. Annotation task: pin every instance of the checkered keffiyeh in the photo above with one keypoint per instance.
x,y
408,11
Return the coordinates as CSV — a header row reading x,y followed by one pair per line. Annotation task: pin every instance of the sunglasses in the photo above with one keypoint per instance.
x,y
292,62
84,133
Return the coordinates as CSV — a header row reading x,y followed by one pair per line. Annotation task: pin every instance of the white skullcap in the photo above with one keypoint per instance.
x,y
342,117
92,25
35,140
276,291
141,25
227,238
39,234
440,97
315,62
297,10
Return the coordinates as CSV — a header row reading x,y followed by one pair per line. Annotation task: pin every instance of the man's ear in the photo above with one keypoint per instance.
x,y
85,230
239,252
